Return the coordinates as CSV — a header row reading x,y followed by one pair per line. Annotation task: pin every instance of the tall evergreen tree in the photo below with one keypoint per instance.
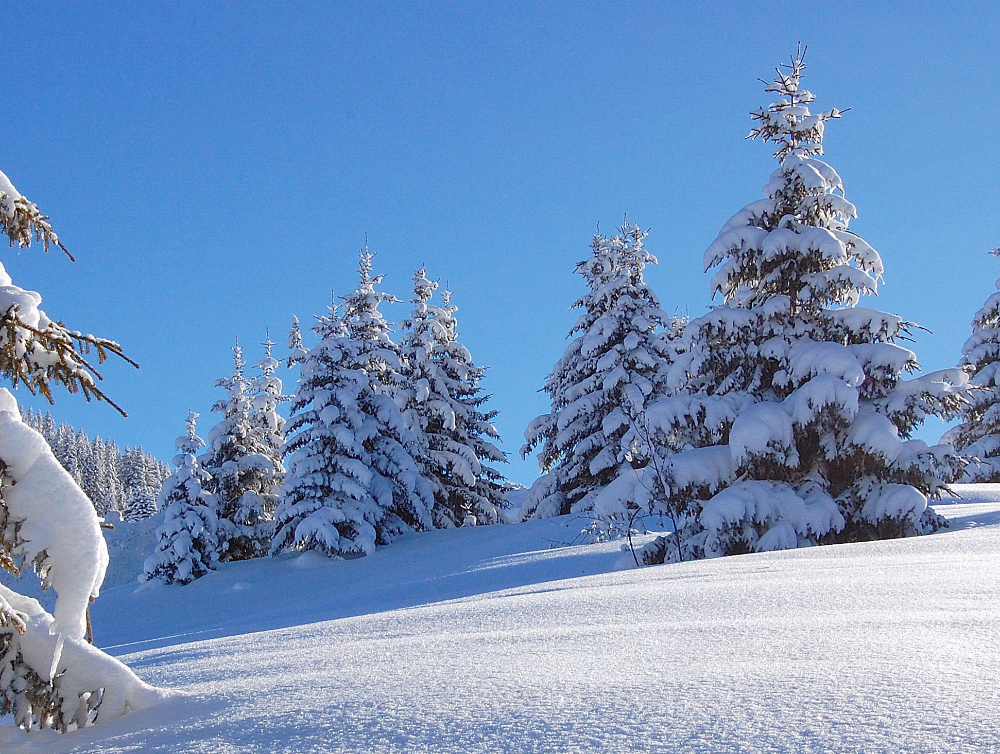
x,y
110,468
352,481
48,428
141,498
187,544
800,387
90,474
613,367
66,449
978,436
441,405
393,445
241,472
268,427
327,502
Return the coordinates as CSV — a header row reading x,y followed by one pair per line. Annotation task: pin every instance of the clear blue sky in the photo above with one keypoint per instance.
x,y
216,166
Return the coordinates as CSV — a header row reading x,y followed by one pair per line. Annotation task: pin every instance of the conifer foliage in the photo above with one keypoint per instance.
x,y
791,393
978,436
614,366
49,676
268,427
352,480
141,502
100,467
242,473
441,405
187,546
296,351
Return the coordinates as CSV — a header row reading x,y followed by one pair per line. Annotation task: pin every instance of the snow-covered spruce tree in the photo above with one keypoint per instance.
x,y
110,475
66,448
473,427
50,677
296,352
242,475
978,436
187,546
268,427
326,502
613,367
393,446
156,471
352,482
798,388
90,476
140,502
441,406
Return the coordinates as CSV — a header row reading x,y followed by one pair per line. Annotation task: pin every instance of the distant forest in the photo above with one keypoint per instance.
x,y
127,481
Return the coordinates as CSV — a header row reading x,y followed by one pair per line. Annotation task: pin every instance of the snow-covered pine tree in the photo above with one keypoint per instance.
x,y
798,390
268,427
111,475
978,436
393,445
90,475
140,502
187,546
296,352
441,405
241,472
352,482
50,677
156,472
46,425
614,366
66,449
326,502
81,450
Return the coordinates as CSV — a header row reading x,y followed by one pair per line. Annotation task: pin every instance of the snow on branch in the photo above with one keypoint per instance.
x,y
35,351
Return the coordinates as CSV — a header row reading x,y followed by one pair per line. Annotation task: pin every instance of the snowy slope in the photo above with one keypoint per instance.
x,y
877,647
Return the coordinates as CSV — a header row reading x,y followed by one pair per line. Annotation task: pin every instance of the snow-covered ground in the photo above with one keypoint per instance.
x,y
487,640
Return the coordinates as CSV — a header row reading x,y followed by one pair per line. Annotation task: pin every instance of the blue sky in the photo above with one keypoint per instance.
x,y
215,167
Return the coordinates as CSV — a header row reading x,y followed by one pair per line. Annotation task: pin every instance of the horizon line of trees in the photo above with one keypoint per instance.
x,y
126,481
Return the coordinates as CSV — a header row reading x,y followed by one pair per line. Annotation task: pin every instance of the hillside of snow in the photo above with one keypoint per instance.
x,y
489,640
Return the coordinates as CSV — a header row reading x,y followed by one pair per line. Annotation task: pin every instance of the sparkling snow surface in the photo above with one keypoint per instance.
x,y
877,647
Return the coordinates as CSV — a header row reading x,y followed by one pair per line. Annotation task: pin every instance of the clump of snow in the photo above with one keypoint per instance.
x,y
766,516
59,528
94,686
763,429
894,501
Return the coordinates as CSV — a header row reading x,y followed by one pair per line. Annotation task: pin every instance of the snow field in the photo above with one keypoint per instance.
x,y
878,647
